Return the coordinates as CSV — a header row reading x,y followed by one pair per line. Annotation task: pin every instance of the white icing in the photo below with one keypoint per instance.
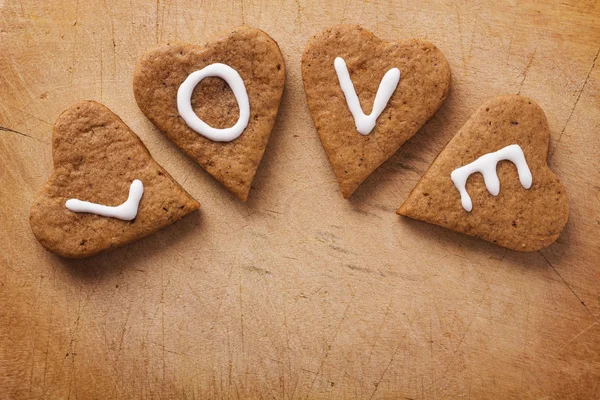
x,y
387,86
126,211
235,82
486,165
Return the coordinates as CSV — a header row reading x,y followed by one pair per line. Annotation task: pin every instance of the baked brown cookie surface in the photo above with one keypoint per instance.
x,y
424,83
257,59
96,159
519,218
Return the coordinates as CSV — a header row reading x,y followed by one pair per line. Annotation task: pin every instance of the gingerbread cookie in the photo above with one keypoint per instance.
x,y
223,124
492,179
106,190
367,97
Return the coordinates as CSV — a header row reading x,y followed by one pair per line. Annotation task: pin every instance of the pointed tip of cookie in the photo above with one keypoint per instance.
x,y
347,188
240,190
193,205
406,209
346,194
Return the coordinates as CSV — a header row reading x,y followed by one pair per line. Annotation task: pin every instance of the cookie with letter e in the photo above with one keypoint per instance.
x,y
106,190
367,97
492,179
217,102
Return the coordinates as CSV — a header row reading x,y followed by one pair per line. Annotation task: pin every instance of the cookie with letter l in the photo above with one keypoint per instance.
x,y
492,180
106,190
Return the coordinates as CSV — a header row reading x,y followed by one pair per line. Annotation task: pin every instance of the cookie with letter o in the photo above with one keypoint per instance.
x,y
367,97
106,190
217,102
492,180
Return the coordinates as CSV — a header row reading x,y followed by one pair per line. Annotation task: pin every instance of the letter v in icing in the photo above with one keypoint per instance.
x,y
387,86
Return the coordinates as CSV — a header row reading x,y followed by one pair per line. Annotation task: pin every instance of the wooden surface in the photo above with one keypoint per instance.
x,y
299,293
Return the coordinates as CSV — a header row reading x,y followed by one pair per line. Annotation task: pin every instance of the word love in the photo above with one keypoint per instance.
x,y
364,123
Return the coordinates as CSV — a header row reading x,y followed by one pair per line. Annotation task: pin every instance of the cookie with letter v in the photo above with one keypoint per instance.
x,y
217,102
367,97
492,179
106,190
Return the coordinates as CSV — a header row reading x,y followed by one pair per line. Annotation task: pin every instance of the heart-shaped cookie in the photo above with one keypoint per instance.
x,y
98,159
524,207
356,149
255,58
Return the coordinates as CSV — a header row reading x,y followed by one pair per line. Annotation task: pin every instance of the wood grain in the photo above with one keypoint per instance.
x,y
299,293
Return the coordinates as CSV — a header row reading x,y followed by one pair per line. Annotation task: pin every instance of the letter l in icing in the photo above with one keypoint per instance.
x,y
387,86
126,211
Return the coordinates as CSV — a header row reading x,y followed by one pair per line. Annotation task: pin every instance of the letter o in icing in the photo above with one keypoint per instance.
x,y
235,82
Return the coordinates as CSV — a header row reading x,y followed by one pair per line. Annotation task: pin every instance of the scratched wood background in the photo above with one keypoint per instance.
x,y
299,293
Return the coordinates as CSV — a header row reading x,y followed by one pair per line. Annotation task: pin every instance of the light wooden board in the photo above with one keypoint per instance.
x,y
299,293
